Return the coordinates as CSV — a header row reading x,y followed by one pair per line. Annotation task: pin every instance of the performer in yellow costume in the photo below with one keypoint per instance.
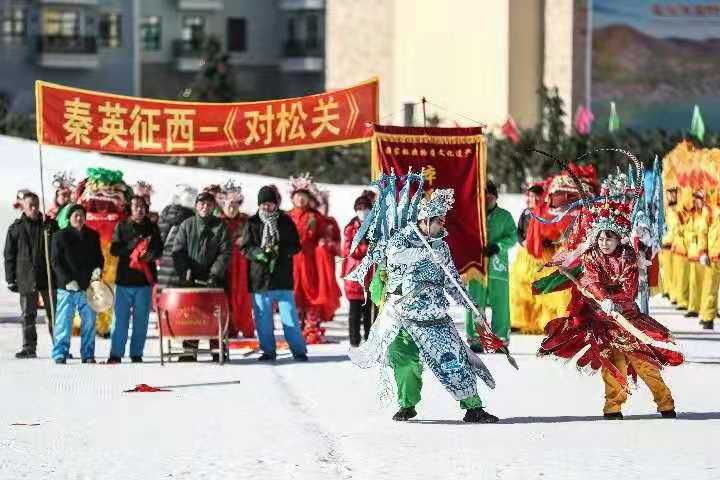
x,y
681,267
696,235
666,254
524,306
711,280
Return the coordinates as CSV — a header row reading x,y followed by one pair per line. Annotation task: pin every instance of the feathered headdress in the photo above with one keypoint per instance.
x,y
304,183
144,189
233,191
63,181
438,204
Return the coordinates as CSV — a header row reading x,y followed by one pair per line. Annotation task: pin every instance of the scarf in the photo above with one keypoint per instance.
x,y
271,235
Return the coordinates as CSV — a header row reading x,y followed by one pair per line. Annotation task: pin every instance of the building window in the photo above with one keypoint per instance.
x,y
61,23
193,31
313,32
110,28
150,33
237,35
12,25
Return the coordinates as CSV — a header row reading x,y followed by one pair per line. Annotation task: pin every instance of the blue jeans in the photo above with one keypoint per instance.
x,y
126,298
263,310
67,303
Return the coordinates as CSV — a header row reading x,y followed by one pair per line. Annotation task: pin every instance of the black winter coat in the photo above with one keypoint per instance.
x,y
125,238
203,246
260,279
75,254
25,263
170,219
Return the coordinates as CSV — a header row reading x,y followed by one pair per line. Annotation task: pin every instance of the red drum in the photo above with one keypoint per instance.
x,y
193,313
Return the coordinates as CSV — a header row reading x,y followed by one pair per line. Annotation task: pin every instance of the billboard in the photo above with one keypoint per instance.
x,y
656,59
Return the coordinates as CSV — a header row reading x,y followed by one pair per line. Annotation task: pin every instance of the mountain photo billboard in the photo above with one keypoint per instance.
x,y
656,59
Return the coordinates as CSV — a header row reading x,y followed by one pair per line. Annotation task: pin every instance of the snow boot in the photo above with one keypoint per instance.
x,y
613,416
478,415
404,414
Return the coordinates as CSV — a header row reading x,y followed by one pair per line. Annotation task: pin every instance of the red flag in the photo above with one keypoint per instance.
x,y
510,130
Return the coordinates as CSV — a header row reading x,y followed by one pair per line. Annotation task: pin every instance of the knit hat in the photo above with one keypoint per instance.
x,y
362,202
205,197
267,194
75,207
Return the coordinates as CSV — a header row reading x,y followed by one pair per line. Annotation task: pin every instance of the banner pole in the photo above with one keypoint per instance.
x,y
46,238
424,101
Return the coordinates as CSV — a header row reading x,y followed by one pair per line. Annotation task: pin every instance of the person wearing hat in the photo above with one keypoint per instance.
x,y
136,242
697,251
26,269
360,308
269,241
201,253
76,260
171,217
666,254
501,237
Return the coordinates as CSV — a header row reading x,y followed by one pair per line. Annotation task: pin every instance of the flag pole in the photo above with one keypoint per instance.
x,y
46,238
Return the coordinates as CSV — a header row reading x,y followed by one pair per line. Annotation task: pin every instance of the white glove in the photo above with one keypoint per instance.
x,y
704,260
96,275
607,306
72,287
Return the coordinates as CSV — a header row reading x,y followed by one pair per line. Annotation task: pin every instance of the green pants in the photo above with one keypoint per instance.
x,y
405,362
497,296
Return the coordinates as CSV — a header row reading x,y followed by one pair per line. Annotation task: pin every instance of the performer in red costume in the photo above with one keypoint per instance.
x,y
310,226
327,250
604,326
237,274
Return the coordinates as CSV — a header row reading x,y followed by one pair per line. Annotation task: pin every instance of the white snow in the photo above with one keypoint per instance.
x,y
321,420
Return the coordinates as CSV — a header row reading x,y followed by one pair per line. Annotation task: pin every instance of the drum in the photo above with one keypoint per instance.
x,y
193,313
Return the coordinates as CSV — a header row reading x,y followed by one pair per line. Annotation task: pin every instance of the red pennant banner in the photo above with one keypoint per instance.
x,y
103,122
450,158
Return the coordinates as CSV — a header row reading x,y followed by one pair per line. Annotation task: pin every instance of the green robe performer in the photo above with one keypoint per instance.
x,y
502,235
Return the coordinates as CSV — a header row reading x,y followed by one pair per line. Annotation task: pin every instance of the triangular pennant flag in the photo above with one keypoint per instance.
x,y
614,121
697,126
510,130
583,120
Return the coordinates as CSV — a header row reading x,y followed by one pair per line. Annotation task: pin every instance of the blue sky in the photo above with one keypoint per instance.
x,y
639,14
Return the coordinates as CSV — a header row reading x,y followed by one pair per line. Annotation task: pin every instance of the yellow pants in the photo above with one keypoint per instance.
x,y
524,306
616,394
681,279
711,283
666,272
695,291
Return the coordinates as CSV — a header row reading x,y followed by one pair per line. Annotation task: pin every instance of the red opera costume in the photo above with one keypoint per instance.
x,y
328,249
238,294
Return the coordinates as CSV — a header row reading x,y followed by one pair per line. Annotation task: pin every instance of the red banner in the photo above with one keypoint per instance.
x,y
451,158
104,122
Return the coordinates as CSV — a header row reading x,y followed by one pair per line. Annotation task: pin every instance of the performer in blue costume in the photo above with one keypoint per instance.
x,y
414,323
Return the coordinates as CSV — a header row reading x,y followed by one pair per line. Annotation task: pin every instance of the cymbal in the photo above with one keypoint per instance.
x,y
99,296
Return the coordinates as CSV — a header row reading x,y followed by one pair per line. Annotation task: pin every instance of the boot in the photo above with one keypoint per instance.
x,y
668,414
691,315
113,360
709,325
267,357
24,354
89,360
300,357
136,359
404,414
613,416
478,415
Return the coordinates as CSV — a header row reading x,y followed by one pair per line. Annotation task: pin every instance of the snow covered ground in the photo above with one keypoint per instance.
x,y
321,420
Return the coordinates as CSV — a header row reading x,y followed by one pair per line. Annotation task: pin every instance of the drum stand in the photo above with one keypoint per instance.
x,y
221,337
